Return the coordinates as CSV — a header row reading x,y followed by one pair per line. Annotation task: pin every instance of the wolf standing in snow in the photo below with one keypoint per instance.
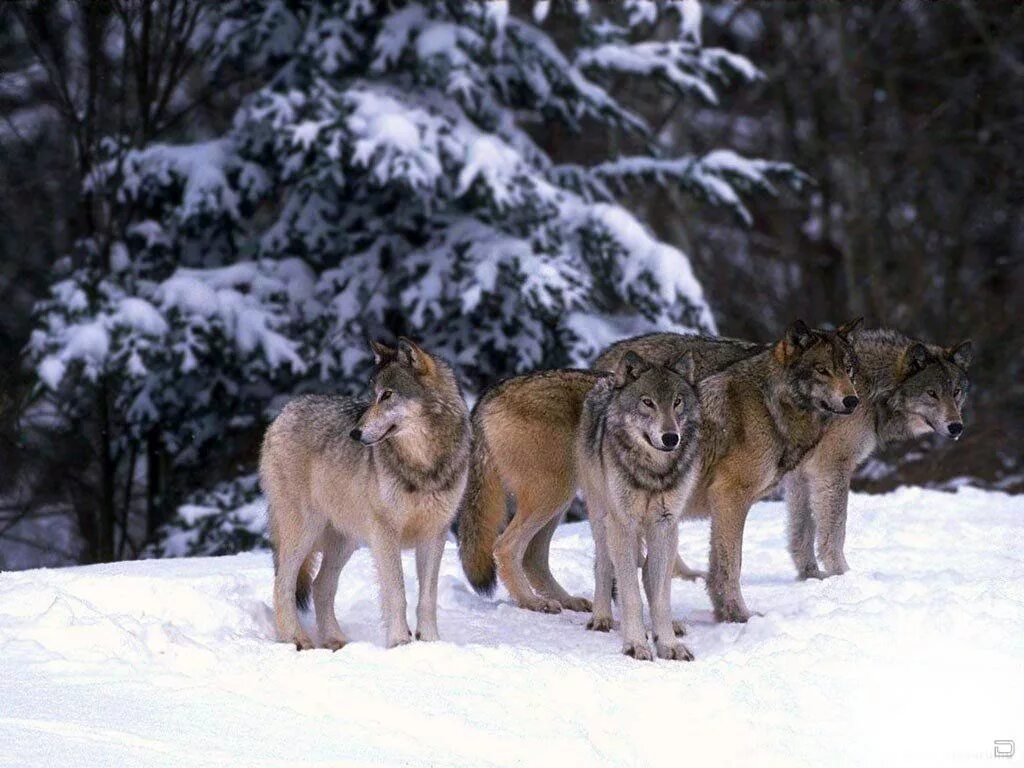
x,y
910,389
637,461
339,472
524,445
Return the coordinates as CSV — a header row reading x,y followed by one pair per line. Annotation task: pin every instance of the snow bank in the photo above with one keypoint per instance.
x,y
913,658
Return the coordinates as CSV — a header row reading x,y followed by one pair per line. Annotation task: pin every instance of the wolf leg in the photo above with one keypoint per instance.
x,y
729,515
337,550
680,570
538,569
387,556
533,512
662,543
801,526
604,576
428,564
291,552
622,539
829,496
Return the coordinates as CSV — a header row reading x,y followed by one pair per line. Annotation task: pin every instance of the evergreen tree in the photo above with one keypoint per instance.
x,y
383,177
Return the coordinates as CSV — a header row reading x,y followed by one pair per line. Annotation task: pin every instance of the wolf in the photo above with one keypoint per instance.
x,y
637,461
760,417
910,388
341,472
524,435
768,405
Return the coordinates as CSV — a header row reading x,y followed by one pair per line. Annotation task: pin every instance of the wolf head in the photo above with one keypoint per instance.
x,y
401,387
933,388
819,367
653,404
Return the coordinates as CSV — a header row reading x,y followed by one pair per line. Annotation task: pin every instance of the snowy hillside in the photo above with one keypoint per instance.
x,y
915,657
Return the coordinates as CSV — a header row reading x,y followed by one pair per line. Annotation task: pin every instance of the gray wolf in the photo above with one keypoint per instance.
x,y
910,389
340,472
637,461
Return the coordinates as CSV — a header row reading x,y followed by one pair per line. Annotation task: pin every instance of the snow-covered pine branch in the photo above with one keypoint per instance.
x,y
383,175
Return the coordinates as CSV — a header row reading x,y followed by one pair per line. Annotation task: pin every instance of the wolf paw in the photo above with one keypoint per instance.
x,y
427,635
640,651
400,640
731,612
679,628
600,624
578,604
674,651
810,572
303,642
835,568
334,643
542,605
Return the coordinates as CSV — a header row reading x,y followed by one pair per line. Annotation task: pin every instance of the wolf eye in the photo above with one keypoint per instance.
x,y
957,392
933,394
821,371
678,402
384,395
647,401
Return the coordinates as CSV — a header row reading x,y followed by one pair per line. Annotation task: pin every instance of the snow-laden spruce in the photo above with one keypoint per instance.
x,y
383,177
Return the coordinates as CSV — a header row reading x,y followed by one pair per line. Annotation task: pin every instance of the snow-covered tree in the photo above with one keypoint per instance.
x,y
383,176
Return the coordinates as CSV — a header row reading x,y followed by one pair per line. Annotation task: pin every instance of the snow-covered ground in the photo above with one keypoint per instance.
x,y
914,657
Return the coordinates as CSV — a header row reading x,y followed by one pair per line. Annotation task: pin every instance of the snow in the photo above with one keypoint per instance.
x,y
913,658
142,316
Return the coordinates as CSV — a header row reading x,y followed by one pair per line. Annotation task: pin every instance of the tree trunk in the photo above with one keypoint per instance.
x,y
108,471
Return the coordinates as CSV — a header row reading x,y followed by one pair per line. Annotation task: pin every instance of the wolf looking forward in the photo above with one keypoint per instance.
x,y
760,415
908,388
637,461
339,472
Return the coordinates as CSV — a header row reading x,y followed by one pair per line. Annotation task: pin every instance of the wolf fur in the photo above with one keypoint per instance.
x,y
340,472
761,416
637,461
910,389
524,435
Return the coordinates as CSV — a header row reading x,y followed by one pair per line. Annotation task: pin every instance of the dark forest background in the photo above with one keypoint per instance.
x,y
908,116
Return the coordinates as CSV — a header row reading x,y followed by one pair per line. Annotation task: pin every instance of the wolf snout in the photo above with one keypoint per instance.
x,y
955,429
356,434
670,439
850,402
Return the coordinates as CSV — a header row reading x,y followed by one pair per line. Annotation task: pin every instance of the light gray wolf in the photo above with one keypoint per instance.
x,y
340,472
637,461
909,389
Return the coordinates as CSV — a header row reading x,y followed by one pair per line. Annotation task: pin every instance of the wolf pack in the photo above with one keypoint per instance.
x,y
663,428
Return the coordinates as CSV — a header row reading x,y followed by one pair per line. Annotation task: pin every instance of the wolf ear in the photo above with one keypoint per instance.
x,y
962,354
686,367
629,368
847,328
915,358
798,338
381,352
411,355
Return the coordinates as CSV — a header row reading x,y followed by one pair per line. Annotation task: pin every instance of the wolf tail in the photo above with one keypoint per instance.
x,y
481,515
304,583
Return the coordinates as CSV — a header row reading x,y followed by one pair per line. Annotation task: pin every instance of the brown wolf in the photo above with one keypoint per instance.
x,y
638,458
339,472
761,415
909,388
